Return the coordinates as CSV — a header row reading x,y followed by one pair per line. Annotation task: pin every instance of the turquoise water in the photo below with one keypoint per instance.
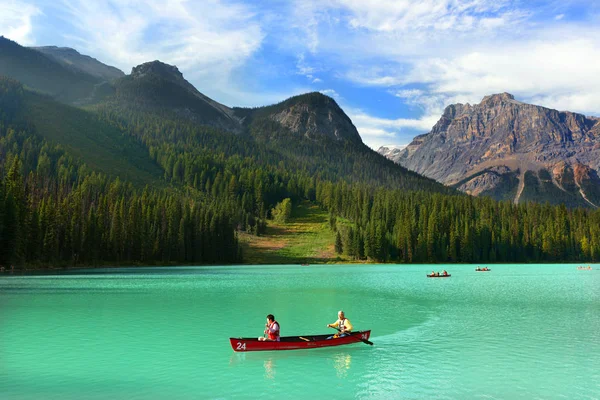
x,y
517,332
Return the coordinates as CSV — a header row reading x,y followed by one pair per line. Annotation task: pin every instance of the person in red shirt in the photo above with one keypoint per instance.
x,y
271,330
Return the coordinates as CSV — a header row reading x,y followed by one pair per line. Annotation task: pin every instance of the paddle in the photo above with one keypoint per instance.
x,y
365,341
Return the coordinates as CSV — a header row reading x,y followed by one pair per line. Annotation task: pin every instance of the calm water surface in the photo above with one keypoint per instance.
x,y
517,332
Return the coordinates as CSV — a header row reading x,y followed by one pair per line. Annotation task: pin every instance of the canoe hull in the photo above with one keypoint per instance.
x,y
439,276
297,342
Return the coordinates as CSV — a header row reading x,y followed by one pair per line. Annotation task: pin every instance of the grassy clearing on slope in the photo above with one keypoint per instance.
x,y
306,238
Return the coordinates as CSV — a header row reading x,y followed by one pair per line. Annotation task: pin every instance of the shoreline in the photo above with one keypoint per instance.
x,y
20,271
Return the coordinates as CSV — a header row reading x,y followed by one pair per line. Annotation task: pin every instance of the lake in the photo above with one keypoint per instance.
x,y
516,332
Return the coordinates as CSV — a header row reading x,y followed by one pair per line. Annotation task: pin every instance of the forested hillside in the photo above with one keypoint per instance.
x,y
56,210
44,74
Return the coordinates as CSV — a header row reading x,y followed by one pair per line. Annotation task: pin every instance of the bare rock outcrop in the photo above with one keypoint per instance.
x,y
469,141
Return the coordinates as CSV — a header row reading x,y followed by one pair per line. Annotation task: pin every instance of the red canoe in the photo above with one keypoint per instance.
x,y
297,342
438,276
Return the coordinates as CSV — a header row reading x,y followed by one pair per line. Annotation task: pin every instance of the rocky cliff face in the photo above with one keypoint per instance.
x,y
311,115
507,149
391,151
315,115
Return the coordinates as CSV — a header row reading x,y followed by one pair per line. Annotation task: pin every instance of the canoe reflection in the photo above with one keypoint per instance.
x,y
341,361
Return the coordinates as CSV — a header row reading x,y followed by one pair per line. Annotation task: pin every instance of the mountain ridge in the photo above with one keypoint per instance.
x,y
481,148
71,58
44,74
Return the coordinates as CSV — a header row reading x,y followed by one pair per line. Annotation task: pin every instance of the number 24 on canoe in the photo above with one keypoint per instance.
x,y
299,342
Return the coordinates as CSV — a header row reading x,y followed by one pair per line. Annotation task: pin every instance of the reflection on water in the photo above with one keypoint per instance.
x,y
342,363
269,368
236,358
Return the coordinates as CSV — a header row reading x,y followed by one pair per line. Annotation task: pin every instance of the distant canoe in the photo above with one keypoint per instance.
x,y
439,276
483,270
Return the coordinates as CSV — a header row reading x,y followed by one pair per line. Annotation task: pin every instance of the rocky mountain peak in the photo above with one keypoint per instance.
x,y
454,110
314,115
157,68
511,150
162,85
498,99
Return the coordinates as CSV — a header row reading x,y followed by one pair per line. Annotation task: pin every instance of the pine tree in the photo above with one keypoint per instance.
x,y
339,248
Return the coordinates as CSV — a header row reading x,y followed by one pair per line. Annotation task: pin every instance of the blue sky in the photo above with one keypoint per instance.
x,y
392,65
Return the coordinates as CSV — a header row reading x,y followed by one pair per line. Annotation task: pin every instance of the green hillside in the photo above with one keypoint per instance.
x,y
103,147
44,74
58,210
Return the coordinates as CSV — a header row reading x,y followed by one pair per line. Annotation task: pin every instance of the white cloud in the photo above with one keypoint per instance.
x,y
376,131
304,22
330,93
207,40
408,93
243,98
375,76
303,68
564,71
431,103
408,15
16,21
553,63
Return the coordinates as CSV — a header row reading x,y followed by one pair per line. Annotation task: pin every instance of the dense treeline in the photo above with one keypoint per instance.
x,y
99,221
422,227
54,210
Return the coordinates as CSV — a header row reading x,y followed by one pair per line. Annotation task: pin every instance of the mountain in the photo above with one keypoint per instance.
x,y
80,134
311,115
391,150
46,75
160,88
308,133
508,149
71,58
